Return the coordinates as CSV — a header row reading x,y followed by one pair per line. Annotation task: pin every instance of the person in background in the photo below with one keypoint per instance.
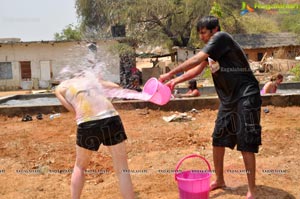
x,y
272,85
193,90
97,123
238,119
154,62
134,84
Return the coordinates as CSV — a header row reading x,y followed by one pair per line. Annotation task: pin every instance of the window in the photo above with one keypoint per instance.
x,y
259,56
5,70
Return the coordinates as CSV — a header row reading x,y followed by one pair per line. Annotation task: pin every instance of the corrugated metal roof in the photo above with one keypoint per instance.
x,y
267,40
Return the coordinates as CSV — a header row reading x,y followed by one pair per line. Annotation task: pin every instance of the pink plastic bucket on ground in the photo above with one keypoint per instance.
x,y
193,184
158,92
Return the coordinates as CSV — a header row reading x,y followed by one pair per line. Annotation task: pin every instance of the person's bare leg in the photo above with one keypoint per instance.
x,y
250,165
119,157
218,156
77,179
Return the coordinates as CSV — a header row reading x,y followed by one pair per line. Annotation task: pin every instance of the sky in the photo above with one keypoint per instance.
x,y
35,20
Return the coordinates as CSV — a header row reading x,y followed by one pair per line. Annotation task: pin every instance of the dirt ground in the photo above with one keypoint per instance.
x,y
36,157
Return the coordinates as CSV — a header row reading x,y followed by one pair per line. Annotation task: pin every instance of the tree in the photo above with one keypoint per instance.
x,y
255,24
233,22
229,13
216,10
71,32
149,21
290,22
171,20
97,16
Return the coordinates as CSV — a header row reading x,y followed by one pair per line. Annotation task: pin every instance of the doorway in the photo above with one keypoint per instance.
x,y
46,70
25,70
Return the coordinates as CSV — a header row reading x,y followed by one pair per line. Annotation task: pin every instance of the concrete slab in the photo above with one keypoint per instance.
x,y
181,104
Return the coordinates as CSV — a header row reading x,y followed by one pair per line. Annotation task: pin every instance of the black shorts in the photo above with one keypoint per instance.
x,y
109,131
239,125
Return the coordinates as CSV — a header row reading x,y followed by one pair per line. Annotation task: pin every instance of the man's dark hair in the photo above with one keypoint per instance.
x,y
208,22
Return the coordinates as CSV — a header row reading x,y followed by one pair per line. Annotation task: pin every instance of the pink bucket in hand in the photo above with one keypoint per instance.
x,y
193,184
158,92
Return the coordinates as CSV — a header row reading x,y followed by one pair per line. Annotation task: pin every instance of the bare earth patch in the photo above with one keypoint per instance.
x,y
36,157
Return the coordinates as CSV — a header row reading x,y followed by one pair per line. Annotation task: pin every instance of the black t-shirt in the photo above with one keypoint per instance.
x,y
234,78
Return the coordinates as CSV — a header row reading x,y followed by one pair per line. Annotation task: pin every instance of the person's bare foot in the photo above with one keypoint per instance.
x,y
250,195
214,185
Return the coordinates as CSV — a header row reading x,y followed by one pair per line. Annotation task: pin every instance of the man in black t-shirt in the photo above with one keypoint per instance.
x,y
238,120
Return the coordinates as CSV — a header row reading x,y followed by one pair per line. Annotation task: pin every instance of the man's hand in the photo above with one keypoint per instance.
x,y
171,84
164,77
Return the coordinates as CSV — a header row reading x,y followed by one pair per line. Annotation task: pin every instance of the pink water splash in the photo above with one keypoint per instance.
x,y
125,93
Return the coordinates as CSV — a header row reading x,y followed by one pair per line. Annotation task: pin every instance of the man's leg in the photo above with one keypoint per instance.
x,y
119,157
218,156
250,165
77,180
250,137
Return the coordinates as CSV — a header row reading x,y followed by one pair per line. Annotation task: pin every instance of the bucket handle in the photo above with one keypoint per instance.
x,y
190,156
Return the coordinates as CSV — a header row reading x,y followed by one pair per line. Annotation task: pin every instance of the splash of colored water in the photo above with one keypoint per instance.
x,y
94,68
125,93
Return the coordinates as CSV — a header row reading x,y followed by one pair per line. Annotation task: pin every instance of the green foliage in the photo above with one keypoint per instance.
x,y
254,23
122,49
228,13
71,32
159,21
216,10
172,22
207,73
290,23
296,72
97,16
151,22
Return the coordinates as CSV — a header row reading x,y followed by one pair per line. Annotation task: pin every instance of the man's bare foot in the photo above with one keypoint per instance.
x,y
214,185
250,195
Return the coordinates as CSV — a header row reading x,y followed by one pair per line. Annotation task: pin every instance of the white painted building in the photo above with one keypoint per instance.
x,y
36,64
